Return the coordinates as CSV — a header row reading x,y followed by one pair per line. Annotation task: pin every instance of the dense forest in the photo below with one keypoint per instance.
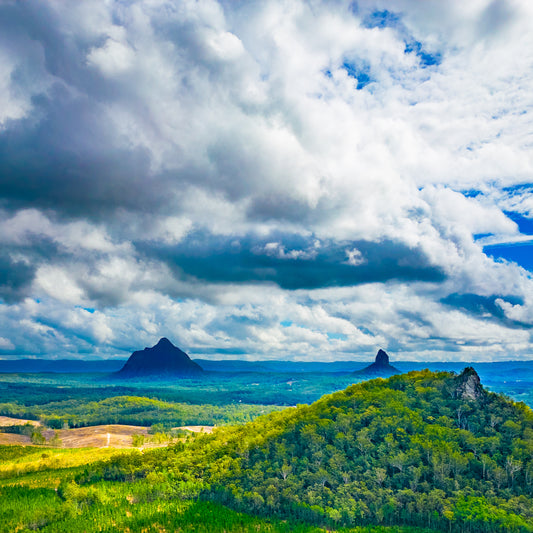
x,y
419,450
135,410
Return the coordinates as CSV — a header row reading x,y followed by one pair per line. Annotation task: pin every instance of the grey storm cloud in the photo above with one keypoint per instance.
x,y
15,278
487,306
19,264
51,164
63,154
67,153
294,262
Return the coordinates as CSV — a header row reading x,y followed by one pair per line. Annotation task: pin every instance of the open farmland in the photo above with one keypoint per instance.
x,y
99,436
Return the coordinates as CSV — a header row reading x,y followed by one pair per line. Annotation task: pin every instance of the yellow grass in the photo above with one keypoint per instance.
x,y
197,429
10,438
8,421
107,436
51,459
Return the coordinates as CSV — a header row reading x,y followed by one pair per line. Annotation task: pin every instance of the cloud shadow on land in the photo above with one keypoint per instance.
x,y
294,262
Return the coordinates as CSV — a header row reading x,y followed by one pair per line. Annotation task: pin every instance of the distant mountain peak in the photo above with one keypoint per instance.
x,y
163,359
163,342
380,367
382,357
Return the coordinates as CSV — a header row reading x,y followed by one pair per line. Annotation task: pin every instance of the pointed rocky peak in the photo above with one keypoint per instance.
x,y
468,385
382,357
380,367
164,343
162,359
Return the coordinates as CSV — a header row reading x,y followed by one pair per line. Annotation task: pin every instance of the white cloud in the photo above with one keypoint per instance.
x,y
6,344
12,105
113,58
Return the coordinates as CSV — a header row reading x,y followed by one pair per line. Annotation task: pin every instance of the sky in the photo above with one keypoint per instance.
x,y
267,179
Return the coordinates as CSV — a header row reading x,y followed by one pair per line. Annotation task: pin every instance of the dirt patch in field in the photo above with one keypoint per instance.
x,y
197,429
8,421
12,439
108,436
105,436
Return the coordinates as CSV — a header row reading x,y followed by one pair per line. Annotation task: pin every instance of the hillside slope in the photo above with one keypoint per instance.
x,y
426,449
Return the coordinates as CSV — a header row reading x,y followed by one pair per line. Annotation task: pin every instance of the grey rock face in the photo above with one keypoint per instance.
x,y
469,385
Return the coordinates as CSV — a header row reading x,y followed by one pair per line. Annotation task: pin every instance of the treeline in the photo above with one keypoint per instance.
x,y
35,433
73,509
133,410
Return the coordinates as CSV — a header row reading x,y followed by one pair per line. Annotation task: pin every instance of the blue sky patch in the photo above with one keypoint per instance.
x,y
360,73
521,188
388,19
478,236
471,193
339,336
426,59
381,19
519,253
525,225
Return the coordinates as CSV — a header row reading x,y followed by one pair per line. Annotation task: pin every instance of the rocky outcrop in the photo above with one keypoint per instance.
x,y
468,385
164,359
380,367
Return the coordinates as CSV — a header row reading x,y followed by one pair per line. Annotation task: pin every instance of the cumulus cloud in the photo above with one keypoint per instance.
x,y
266,179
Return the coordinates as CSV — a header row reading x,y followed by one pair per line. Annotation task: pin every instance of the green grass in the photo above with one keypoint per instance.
x,y
21,461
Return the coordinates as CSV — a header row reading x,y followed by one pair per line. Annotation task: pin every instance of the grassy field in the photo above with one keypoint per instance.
x,y
20,463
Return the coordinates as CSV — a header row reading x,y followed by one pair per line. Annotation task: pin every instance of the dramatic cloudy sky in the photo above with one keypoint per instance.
x,y
267,179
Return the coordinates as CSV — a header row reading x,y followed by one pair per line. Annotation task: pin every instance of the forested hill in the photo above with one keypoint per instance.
x,y
424,448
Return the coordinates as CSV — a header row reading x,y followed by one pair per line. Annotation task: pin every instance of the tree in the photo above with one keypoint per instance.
x,y
512,466
55,441
137,440
285,471
37,437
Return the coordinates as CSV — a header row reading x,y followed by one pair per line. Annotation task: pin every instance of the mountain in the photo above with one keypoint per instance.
x,y
433,450
380,367
163,359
